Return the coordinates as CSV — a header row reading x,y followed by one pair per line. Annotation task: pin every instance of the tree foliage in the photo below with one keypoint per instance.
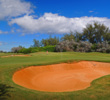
x,y
95,37
37,49
96,33
78,37
36,43
16,49
69,37
50,41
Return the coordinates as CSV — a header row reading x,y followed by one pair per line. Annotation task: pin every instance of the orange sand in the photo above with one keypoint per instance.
x,y
61,77
14,56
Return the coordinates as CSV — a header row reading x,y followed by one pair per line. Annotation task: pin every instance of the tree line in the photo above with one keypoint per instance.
x,y
95,37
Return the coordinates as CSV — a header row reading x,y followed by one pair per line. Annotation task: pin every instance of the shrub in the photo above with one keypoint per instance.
x,y
108,50
37,49
66,46
25,50
73,46
103,47
16,49
48,48
84,46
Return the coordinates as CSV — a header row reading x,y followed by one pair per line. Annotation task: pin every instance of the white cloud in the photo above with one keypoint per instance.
x,y
53,23
13,8
3,32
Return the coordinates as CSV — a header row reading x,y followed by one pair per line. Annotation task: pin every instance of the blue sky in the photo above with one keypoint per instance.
x,y
21,21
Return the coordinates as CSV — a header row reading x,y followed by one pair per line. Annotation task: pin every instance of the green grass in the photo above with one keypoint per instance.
x,y
99,89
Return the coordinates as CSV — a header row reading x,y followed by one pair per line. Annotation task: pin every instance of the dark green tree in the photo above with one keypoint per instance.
x,y
78,37
95,33
36,43
50,41
106,37
69,37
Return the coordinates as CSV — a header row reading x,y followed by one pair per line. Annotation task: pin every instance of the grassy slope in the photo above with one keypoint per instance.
x,y
100,88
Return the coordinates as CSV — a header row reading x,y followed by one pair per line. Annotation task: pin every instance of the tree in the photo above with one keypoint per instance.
x,y
36,43
1,51
16,49
50,41
95,33
78,37
68,37
107,37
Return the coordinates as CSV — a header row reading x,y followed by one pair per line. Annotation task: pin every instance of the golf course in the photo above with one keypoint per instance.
x,y
54,50
98,88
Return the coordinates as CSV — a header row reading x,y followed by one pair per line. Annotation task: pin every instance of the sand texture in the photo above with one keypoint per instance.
x,y
61,77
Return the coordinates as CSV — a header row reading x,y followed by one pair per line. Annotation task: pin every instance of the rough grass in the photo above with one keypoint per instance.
x,y
99,89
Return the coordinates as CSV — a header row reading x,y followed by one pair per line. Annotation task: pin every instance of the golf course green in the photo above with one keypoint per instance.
x,y
98,90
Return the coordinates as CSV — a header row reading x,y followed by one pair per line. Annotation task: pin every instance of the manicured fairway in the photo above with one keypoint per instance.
x,y
99,89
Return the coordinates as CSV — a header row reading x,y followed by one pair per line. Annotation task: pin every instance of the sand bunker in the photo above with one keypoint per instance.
x,y
14,56
61,77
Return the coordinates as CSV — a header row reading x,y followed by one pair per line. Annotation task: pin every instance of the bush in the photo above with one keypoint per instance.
x,y
94,47
84,46
73,46
66,46
103,47
16,49
25,50
37,49
48,48
81,46
108,50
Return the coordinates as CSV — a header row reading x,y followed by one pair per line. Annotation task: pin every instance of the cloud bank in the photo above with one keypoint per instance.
x,y
19,12
54,23
14,8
